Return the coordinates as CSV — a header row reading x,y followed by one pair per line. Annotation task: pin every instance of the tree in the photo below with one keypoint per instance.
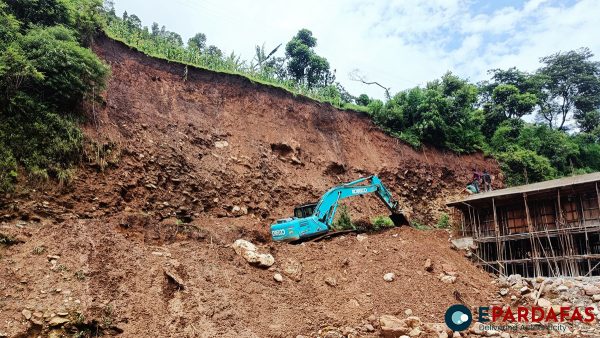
x,y
570,86
133,21
45,75
174,38
304,65
214,51
40,12
155,30
363,100
87,19
509,101
71,72
109,8
523,166
510,94
355,75
197,42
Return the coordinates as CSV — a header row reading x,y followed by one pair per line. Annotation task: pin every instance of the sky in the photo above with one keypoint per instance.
x,y
399,43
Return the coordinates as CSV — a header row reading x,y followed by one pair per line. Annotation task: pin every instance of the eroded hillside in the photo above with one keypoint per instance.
x,y
186,161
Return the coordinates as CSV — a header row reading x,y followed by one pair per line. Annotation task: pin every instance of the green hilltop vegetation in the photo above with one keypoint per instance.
x,y
49,77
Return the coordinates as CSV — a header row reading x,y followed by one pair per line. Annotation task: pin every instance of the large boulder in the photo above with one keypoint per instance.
x,y
250,253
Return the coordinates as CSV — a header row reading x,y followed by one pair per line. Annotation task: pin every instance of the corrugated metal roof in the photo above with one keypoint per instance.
x,y
534,187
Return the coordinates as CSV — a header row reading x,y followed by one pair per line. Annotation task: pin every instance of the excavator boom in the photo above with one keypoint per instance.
x,y
320,221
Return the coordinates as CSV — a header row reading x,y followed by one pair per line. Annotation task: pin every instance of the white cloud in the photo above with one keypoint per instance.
x,y
399,43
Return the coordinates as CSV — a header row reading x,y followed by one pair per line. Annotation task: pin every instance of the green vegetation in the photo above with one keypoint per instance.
x,y
382,222
444,221
46,74
417,224
301,71
343,222
454,114
449,113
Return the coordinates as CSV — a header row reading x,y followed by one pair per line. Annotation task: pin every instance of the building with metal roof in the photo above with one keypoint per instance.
x,y
549,228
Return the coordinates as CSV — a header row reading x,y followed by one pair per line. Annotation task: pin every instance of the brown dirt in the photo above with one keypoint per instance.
x,y
159,197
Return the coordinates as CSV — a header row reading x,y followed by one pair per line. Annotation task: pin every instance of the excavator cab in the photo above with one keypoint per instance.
x,y
303,211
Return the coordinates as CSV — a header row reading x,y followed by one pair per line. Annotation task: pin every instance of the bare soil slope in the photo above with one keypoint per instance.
x,y
189,165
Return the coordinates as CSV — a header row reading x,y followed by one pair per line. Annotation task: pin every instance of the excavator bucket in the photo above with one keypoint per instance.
x,y
399,219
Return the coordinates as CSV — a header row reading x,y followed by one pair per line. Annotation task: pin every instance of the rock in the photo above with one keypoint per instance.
x,y
448,279
174,278
596,298
408,312
449,270
591,290
442,334
331,281
462,243
438,328
514,279
368,328
239,211
492,333
524,290
414,332
278,277
428,265
249,252
295,160
57,321
361,237
456,334
505,335
389,277
413,322
544,303
53,257
562,288
26,313
293,269
221,144
503,292
392,327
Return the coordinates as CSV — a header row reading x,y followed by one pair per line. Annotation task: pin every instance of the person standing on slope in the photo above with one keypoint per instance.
x,y
475,180
486,179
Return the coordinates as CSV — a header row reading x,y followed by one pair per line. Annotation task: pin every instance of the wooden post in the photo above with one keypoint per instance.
x,y
499,246
587,241
534,253
598,200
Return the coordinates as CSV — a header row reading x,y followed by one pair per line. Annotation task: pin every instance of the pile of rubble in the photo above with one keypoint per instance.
x,y
554,292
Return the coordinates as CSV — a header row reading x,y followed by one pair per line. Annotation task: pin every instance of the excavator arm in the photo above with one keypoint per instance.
x,y
320,221
327,206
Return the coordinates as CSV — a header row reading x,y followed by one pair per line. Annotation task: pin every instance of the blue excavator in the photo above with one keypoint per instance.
x,y
315,219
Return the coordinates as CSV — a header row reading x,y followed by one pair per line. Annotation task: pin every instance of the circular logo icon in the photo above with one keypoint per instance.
x,y
458,317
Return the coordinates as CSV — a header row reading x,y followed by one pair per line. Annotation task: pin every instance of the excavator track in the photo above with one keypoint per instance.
x,y
330,234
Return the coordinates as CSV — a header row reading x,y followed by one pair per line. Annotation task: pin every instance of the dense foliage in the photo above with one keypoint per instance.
x,y
46,74
563,96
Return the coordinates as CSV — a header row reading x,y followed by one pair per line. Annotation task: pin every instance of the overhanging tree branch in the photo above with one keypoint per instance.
x,y
355,75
